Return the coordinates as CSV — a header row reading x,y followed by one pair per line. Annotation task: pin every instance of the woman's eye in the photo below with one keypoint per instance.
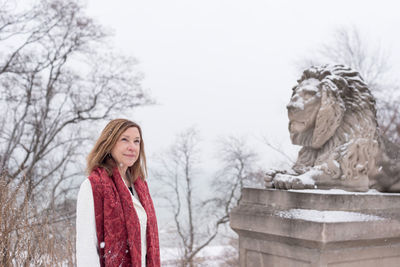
x,y
124,139
137,141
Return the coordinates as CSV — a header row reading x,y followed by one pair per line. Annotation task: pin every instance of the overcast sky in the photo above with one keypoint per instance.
x,y
227,67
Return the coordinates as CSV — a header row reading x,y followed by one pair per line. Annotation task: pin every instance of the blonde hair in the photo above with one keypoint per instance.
x,y
100,156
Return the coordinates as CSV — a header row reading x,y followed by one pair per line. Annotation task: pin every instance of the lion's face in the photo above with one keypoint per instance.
x,y
303,109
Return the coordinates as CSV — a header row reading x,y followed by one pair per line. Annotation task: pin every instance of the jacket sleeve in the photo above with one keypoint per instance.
x,y
86,238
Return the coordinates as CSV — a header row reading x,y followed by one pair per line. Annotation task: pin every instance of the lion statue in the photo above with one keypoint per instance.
x,y
332,115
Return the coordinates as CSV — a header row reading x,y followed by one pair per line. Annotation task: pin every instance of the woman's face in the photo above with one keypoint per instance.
x,y
126,150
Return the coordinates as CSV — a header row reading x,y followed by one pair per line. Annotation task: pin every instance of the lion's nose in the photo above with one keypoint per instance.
x,y
291,108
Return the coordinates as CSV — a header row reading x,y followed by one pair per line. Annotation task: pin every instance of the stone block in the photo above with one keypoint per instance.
x,y
317,228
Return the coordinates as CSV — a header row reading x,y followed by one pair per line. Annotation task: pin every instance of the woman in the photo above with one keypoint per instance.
x,y
116,223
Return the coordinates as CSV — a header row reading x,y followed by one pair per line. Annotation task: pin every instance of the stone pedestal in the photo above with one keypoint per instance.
x,y
310,228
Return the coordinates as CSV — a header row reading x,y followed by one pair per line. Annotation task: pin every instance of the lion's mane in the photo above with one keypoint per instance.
x,y
344,140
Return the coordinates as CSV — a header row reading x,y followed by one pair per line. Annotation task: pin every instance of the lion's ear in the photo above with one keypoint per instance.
x,y
328,119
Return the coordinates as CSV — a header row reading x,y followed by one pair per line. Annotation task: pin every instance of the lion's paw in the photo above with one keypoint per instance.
x,y
287,181
269,177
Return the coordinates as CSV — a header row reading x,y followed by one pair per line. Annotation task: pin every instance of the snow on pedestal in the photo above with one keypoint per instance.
x,y
317,228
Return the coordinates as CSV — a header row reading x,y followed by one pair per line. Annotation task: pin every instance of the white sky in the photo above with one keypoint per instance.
x,y
228,66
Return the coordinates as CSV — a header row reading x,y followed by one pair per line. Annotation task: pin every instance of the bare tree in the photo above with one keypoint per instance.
x,y
238,168
197,221
56,80
179,174
348,46
238,161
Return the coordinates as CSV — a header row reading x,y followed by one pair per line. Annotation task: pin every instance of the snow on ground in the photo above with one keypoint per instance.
x,y
327,216
209,256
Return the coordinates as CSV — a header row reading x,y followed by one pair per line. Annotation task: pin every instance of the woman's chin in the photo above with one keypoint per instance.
x,y
130,163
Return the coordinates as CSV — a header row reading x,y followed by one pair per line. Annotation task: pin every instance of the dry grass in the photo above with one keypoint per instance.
x,y
30,236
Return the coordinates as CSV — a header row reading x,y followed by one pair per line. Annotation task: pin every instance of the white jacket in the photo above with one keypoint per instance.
x,y
86,237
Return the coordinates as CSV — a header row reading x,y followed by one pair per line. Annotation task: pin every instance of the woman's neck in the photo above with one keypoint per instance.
x,y
123,173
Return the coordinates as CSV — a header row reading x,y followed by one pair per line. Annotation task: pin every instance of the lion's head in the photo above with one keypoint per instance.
x,y
328,101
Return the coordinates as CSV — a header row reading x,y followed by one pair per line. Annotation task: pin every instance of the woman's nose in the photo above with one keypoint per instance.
x,y
131,146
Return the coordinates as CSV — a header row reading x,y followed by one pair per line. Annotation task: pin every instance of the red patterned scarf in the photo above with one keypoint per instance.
x,y
117,224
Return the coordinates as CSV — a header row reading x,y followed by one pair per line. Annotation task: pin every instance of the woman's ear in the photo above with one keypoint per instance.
x,y
329,117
